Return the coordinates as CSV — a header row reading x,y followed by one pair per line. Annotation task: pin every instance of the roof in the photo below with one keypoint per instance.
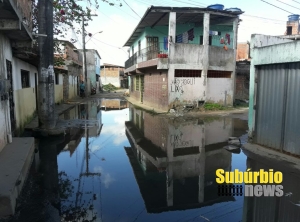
x,y
66,42
111,65
158,16
90,50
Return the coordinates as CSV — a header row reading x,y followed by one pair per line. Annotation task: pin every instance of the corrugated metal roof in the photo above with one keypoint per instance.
x,y
158,16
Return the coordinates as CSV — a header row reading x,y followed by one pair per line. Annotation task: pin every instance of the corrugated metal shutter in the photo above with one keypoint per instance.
x,y
270,102
277,119
292,120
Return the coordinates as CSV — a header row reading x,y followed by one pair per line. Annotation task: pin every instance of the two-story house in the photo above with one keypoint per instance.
x,y
68,69
185,55
93,60
18,68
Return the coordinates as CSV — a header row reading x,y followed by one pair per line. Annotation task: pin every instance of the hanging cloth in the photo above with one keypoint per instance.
x,y
179,38
185,37
166,43
227,36
191,34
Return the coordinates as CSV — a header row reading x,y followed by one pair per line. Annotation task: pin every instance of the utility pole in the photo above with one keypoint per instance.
x,y
84,55
46,102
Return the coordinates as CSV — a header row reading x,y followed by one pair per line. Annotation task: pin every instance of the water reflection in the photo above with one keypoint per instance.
x,y
134,166
271,209
174,160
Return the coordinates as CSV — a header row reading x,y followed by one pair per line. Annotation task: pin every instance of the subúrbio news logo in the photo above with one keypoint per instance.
x,y
257,183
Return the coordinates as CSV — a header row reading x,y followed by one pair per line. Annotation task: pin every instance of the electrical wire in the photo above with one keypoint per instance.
x,y
296,1
288,4
277,7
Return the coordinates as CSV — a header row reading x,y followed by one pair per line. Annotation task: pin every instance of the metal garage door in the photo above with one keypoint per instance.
x,y
278,94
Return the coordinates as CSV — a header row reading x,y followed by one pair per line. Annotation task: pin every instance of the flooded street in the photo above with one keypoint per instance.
x,y
136,166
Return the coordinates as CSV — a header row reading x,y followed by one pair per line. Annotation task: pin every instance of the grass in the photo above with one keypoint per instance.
x,y
213,106
109,87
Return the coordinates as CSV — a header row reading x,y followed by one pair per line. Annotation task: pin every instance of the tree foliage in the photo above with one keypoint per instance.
x,y
67,15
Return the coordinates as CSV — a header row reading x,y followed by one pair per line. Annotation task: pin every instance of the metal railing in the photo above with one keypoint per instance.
x,y
158,50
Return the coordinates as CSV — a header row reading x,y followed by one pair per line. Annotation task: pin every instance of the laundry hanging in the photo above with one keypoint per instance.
x,y
227,36
166,43
185,37
179,38
191,34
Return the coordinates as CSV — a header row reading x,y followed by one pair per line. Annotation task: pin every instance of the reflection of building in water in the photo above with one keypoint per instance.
x,y
271,209
114,104
175,161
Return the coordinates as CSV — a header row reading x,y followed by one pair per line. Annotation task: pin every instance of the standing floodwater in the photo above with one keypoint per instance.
x,y
135,166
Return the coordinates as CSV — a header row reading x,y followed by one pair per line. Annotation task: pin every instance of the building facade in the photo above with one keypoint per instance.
x,y
274,91
113,74
68,68
16,74
185,55
93,60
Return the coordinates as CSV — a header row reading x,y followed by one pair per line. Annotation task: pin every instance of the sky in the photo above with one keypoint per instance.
x,y
117,23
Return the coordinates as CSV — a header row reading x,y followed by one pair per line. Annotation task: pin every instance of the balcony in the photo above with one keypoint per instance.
x,y
186,55
154,52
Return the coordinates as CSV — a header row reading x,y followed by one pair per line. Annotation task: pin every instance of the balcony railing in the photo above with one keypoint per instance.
x,y
158,50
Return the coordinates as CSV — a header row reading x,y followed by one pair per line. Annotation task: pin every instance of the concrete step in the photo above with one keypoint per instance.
x,y
15,161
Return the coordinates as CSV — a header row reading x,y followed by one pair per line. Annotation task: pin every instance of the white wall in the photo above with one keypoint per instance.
x,y
24,98
219,90
112,80
5,53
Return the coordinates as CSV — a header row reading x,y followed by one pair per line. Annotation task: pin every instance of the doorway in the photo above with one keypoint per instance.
x,y
11,98
142,88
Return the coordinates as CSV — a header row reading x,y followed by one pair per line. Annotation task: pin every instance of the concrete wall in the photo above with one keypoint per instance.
x,y
25,102
59,89
220,90
5,54
221,59
91,69
162,31
262,46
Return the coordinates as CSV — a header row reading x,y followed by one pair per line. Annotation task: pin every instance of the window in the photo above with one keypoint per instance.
x,y
25,79
137,83
139,45
218,74
56,78
289,30
187,73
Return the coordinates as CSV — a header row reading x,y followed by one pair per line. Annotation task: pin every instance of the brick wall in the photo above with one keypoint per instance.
x,y
156,90
242,52
25,7
110,72
242,87
294,25
156,129
242,80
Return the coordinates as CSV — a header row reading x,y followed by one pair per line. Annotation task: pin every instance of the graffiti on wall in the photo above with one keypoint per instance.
x,y
178,84
178,142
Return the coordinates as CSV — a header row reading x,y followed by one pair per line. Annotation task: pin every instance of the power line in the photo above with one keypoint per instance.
x,y
288,4
132,9
277,7
262,18
296,1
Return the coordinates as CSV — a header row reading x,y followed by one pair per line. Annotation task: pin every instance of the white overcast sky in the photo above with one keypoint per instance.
x,y
117,23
